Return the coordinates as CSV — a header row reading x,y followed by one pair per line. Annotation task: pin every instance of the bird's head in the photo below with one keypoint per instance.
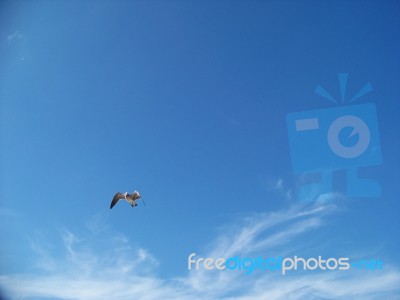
x,y
136,193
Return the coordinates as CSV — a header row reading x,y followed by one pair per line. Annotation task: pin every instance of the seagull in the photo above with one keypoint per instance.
x,y
128,197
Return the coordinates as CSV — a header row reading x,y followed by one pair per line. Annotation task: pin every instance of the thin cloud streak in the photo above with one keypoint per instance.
x,y
122,271
16,35
245,237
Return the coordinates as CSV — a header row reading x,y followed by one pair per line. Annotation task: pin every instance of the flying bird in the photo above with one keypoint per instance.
x,y
128,197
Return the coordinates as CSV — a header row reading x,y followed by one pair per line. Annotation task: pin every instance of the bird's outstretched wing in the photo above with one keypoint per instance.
x,y
116,198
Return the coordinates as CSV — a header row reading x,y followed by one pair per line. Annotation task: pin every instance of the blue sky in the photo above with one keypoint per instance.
x,y
186,101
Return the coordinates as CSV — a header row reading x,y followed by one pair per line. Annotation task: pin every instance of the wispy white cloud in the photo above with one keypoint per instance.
x,y
278,186
17,41
249,234
88,270
16,35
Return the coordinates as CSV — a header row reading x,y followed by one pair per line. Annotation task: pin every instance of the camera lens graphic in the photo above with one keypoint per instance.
x,y
359,127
